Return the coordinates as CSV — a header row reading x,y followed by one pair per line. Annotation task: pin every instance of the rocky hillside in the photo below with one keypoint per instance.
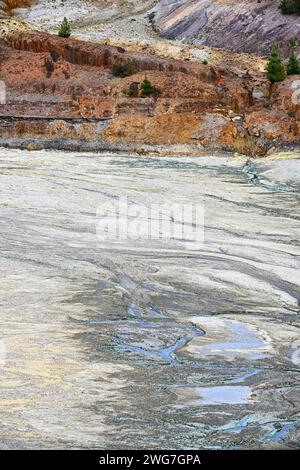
x,y
243,26
64,93
239,25
92,19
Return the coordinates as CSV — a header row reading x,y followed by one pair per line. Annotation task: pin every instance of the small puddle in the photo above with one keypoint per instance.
x,y
246,342
220,395
243,342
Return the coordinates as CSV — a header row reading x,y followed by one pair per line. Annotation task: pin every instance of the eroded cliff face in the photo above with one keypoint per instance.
x,y
245,25
61,93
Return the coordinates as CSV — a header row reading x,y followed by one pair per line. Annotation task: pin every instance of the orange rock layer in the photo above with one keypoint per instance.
x,y
62,93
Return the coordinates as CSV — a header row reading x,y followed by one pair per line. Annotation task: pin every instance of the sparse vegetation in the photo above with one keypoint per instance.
x,y
275,67
293,66
147,89
290,7
65,29
204,61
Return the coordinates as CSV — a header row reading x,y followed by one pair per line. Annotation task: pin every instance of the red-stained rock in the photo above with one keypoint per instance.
x,y
272,124
72,95
286,96
99,55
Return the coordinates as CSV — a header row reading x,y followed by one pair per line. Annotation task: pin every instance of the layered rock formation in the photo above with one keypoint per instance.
x,y
61,93
246,25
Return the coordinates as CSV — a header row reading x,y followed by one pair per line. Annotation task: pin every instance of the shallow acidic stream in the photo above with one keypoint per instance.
x,y
148,344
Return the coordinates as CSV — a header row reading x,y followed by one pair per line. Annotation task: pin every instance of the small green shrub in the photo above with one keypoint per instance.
x,y
65,29
147,89
293,42
204,61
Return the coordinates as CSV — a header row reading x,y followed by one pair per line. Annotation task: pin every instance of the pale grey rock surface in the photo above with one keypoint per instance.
x,y
148,344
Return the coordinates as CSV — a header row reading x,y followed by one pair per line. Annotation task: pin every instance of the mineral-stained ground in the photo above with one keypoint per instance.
x,y
148,344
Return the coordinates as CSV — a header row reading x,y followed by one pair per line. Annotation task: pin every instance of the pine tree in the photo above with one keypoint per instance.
x,y
275,68
293,66
65,29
